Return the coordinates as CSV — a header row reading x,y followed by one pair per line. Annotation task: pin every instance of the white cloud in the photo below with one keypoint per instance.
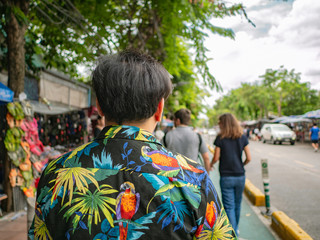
x,y
301,27
286,33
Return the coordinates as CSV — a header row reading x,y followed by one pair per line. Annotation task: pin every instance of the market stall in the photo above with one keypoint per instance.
x,y
299,125
32,138
24,159
65,127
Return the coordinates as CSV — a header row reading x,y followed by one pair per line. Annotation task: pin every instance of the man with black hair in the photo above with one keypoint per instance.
x,y
183,139
314,136
125,184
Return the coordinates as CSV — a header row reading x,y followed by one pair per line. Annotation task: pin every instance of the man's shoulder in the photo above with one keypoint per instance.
x,y
171,132
182,131
79,156
82,149
316,129
165,163
166,157
243,137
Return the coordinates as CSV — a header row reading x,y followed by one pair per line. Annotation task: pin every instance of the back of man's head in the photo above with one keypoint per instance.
x,y
184,115
130,85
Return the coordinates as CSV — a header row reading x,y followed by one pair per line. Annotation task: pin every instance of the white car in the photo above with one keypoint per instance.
x,y
212,132
277,133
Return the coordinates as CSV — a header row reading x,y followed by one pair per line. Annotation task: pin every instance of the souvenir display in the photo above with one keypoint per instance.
x,y
30,127
64,129
23,144
32,140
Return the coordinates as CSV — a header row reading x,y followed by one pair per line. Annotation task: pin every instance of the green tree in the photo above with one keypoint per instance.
x,y
186,93
301,99
66,33
246,102
286,93
278,91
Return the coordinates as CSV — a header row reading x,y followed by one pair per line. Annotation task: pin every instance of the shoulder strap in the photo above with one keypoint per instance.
x,y
200,141
164,139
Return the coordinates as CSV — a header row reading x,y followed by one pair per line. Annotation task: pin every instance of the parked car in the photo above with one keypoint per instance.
x,y
277,133
212,132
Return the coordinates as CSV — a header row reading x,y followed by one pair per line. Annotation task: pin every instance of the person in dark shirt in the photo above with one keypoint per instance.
x,y
229,146
125,184
100,125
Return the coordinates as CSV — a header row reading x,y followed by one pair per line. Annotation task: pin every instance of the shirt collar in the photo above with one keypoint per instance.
x,y
183,126
127,132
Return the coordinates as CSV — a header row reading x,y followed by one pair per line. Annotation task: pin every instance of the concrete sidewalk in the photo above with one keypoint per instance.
x,y
13,226
253,225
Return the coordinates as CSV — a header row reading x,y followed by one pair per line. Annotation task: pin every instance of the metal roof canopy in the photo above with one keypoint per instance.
x,y
295,120
53,109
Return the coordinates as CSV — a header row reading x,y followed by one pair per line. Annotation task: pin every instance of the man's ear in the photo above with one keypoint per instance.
x,y
177,121
158,114
99,108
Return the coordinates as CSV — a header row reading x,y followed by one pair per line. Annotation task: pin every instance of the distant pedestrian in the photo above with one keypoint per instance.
x,y
314,136
256,132
100,125
158,133
183,139
247,132
230,143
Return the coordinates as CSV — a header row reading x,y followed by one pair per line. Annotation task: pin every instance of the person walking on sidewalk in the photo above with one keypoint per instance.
x,y
125,184
183,139
229,145
314,136
99,127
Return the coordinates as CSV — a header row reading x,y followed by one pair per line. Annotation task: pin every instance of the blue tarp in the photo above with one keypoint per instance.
x,y
6,94
312,114
295,120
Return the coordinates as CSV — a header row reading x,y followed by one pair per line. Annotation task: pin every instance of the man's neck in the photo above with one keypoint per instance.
x,y
182,125
148,124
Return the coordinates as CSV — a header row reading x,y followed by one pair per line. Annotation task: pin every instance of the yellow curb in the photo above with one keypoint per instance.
x,y
287,228
254,194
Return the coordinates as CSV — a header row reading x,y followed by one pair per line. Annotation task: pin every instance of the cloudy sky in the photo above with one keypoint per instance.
x,y
287,33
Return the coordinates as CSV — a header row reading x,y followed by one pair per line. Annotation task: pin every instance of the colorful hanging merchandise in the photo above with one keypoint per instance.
x,y
24,147
20,172
15,177
30,127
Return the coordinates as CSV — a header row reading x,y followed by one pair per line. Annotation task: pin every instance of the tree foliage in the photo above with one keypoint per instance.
x,y
66,33
279,91
186,92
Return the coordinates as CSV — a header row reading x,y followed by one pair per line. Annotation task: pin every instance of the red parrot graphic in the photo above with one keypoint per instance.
x,y
165,162
127,205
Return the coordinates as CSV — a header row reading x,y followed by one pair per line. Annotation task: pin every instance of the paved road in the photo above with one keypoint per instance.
x,y
294,181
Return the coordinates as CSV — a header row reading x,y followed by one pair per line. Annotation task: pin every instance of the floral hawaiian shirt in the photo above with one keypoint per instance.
x,y
126,185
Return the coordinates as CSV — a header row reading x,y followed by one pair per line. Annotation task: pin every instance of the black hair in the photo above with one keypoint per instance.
x,y
129,86
184,115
